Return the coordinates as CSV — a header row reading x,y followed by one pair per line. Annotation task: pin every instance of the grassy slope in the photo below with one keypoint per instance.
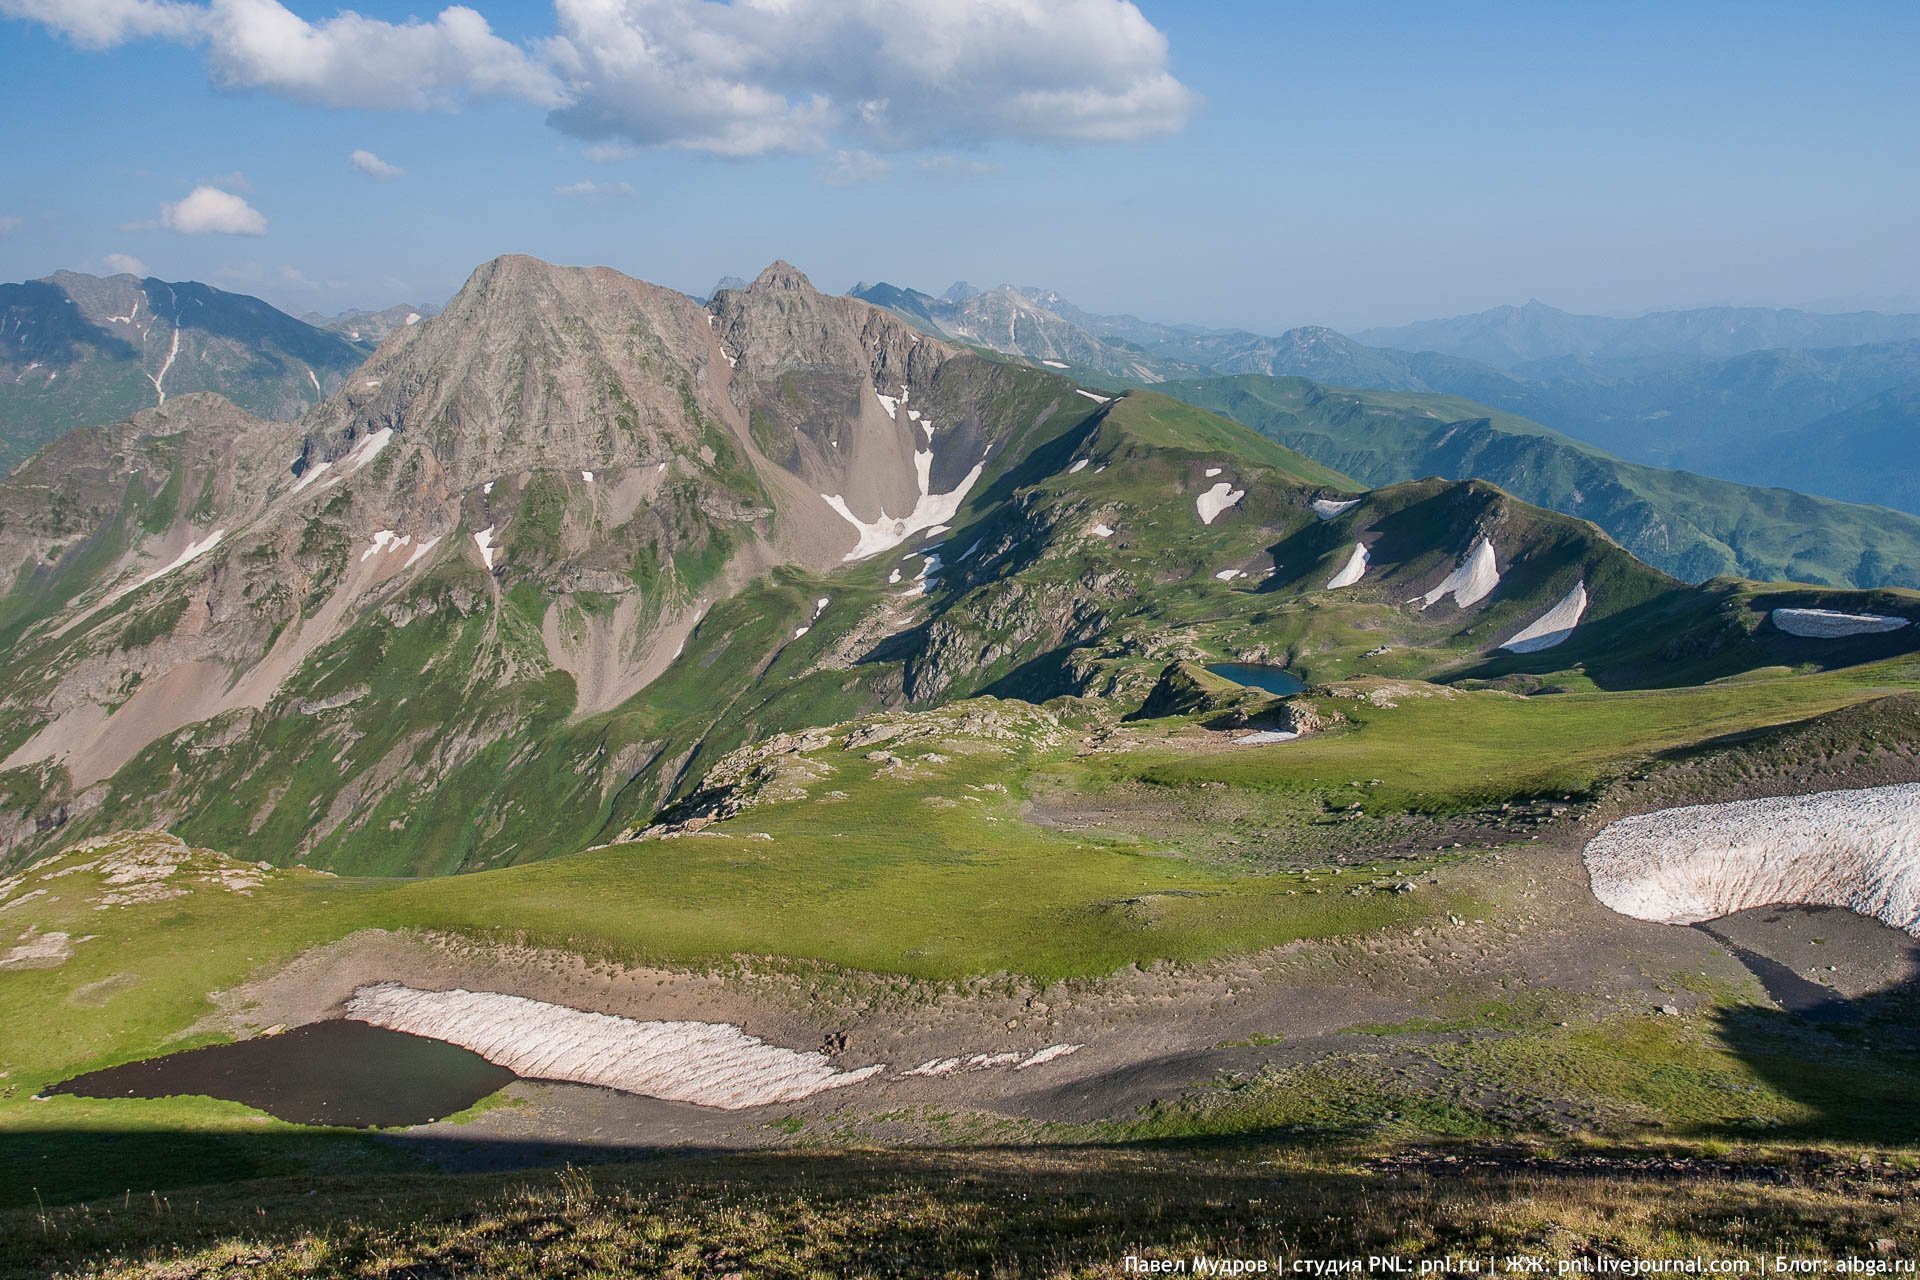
x,y
902,847
1692,526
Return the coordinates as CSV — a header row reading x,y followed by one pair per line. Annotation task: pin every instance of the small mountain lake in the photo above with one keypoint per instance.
x,y
1256,675
325,1073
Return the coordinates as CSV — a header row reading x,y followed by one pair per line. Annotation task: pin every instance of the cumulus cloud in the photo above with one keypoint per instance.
x,y
354,61
750,78
372,165
587,187
119,262
739,78
344,61
209,211
100,24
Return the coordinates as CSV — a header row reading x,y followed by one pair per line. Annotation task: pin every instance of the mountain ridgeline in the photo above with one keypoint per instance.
x,y
1628,397
79,350
545,557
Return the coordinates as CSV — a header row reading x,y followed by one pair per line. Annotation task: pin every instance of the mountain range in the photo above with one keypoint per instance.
x,y
1756,433
544,557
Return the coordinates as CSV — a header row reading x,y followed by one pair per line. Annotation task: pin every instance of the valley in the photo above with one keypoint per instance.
x,y
759,740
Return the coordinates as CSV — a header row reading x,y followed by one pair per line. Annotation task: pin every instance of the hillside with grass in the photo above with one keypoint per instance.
x,y
1692,526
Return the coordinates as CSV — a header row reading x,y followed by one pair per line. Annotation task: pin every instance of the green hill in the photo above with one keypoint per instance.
x,y
1694,527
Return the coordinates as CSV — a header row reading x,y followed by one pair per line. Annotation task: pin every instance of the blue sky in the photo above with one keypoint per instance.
x,y
1283,164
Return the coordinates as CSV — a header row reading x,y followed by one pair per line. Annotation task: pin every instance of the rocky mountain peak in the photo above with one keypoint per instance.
x,y
784,276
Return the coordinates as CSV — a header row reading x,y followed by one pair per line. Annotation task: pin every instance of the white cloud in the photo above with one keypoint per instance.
x,y
210,211
753,77
344,61
586,187
119,262
740,78
353,61
372,165
845,168
100,24
10,225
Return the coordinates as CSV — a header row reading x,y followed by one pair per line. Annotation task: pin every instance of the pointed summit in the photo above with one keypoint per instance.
x,y
783,275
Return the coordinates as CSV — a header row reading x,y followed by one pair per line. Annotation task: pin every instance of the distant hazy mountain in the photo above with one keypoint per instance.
x,y
77,350
368,327
1509,337
1009,320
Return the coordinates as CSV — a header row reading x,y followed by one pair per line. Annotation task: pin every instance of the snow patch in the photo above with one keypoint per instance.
x,y
1217,499
367,449
1081,391
1079,465
929,510
1353,570
1228,575
710,1064
308,476
193,552
587,476
420,552
1327,508
1826,624
1262,737
1858,849
1471,582
1054,364
1212,472
484,541
384,540
413,318
1102,531
1553,626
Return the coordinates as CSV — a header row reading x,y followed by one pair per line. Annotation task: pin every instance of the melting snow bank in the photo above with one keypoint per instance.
x,y
484,541
710,1064
991,1061
1470,583
1825,624
1553,626
1327,508
1855,849
929,509
1354,569
1217,499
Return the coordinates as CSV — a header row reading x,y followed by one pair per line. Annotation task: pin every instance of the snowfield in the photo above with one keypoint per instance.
x,y
1552,627
929,510
1327,508
1857,849
1470,583
710,1064
1354,569
1825,624
1217,499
